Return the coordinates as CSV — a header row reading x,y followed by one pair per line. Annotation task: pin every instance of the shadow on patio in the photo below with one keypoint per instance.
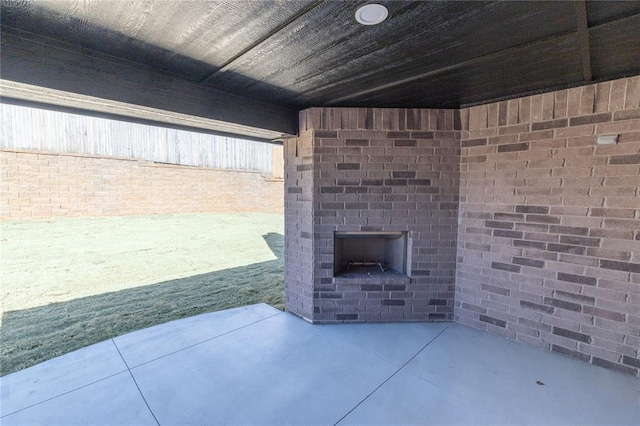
x,y
34,335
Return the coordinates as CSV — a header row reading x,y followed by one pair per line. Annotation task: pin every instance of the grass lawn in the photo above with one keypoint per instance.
x,y
69,283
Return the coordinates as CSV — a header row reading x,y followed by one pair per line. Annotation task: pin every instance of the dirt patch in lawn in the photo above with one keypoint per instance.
x,y
69,283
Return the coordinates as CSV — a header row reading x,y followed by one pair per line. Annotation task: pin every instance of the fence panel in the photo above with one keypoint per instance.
x,y
61,132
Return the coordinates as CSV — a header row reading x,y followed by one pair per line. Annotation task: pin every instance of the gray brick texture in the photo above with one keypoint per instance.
x,y
519,224
547,248
374,170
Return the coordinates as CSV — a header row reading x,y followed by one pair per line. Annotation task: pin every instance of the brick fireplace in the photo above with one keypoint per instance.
x,y
371,212
513,206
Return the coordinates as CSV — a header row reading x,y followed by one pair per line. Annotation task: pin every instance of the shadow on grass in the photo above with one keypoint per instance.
x,y
30,336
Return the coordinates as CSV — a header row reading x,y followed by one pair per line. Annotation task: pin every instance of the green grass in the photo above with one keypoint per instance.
x,y
69,283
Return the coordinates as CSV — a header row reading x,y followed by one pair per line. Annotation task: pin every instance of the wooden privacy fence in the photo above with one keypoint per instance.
x,y
61,132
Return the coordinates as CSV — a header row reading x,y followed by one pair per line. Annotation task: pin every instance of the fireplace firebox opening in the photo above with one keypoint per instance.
x,y
366,253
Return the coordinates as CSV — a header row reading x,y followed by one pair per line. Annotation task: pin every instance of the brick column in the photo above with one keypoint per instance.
x,y
372,170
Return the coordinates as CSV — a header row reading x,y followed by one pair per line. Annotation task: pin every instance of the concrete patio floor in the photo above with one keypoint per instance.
x,y
257,365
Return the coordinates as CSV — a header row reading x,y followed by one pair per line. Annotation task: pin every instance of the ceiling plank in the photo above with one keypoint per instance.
x,y
582,27
189,38
602,12
37,61
614,48
261,40
529,50
497,77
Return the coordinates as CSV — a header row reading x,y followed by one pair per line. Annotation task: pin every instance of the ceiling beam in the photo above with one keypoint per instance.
x,y
78,78
25,95
582,30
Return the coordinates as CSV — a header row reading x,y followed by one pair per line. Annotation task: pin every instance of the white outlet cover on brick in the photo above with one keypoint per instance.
x,y
607,140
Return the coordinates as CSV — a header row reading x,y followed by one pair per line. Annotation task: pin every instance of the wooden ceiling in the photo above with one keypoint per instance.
x,y
255,63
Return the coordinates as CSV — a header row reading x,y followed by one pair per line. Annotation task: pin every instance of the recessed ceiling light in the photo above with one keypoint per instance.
x,y
371,14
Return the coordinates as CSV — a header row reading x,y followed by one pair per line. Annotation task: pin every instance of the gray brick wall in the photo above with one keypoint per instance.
x,y
510,206
298,225
549,235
